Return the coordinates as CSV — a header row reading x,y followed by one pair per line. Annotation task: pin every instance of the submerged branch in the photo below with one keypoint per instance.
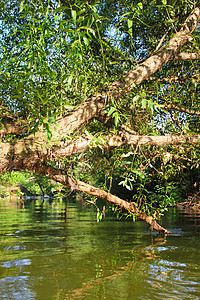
x,y
78,185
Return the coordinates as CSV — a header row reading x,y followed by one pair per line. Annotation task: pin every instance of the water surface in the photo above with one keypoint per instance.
x,y
57,250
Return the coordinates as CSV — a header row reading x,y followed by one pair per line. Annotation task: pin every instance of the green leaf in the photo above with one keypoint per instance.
x,y
144,103
140,5
86,41
130,23
111,111
99,216
116,116
143,94
73,12
87,28
21,6
49,133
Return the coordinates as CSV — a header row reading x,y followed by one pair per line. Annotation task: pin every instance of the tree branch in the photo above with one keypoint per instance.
x,y
162,56
112,141
11,126
175,78
94,105
25,153
78,185
170,107
187,56
129,206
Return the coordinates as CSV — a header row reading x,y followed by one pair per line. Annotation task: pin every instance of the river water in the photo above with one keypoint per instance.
x,y
57,250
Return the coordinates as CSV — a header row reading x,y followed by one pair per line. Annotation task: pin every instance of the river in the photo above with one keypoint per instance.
x,y
57,250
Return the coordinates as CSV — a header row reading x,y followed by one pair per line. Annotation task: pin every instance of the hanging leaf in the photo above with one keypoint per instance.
x,y
73,12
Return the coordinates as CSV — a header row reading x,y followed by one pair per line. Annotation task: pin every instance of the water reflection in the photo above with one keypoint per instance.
x,y
59,251
16,288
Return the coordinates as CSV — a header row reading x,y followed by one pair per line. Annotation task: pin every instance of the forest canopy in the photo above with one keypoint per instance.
x,y
103,97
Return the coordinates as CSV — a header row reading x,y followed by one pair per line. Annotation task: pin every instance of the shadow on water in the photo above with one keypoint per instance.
x,y
57,250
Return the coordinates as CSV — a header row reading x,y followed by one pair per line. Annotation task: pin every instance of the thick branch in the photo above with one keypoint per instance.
x,y
141,73
129,206
163,140
184,77
85,143
26,153
165,54
92,108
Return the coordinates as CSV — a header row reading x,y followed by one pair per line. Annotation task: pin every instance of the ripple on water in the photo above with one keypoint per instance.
x,y
16,288
173,280
16,263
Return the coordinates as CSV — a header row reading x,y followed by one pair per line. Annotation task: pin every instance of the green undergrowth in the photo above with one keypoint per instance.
x,y
10,181
35,184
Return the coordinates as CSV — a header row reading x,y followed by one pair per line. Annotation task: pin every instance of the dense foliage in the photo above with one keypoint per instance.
x,y
55,55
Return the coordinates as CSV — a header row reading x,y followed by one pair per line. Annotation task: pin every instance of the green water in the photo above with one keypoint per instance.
x,y
59,251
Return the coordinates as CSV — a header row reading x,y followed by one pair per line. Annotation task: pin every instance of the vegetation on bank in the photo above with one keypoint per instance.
x,y
27,184
102,97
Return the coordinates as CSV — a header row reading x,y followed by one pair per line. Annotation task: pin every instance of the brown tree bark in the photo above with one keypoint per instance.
x,y
26,153
187,56
113,141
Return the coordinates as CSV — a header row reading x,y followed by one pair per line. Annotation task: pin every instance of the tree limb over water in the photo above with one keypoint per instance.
x,y
35,151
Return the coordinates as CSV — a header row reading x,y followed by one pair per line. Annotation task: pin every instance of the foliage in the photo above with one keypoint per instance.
x,y
35,184
54,55
11,180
